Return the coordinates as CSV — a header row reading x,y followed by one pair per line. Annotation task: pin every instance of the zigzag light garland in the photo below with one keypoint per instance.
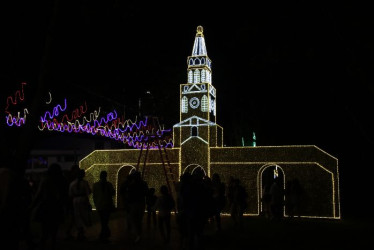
x,y
19,93
136,134
19,96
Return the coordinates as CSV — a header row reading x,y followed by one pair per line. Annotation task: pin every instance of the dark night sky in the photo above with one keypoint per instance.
x,y
297,73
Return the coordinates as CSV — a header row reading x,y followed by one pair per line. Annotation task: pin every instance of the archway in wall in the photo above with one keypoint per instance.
x,y
194,167
266,177
122,174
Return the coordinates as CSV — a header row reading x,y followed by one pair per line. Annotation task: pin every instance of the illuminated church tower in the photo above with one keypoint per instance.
x,y
197,130
198,96
198,144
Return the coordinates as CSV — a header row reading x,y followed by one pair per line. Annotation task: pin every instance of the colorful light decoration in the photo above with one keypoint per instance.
x,y
132,134
50,98
135,134
18,121
55,112
76,113
19,95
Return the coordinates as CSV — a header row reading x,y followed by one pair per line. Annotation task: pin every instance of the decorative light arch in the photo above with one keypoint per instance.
x,y
194,167
259,183
132,169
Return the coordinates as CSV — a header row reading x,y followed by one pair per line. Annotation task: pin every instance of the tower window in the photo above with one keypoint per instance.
x,y
194,131
214,105
204,103
203,75
196,78
208,76
190,76
184,104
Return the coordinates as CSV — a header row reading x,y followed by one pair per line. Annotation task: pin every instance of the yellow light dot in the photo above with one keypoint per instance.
x,y
199,30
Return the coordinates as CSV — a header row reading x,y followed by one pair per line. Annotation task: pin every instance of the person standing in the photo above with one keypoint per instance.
x,y
134,191
79,191
238,201
219,198
265,200
103,193
150,201
164,204
277,197
9,204
49,203
70,176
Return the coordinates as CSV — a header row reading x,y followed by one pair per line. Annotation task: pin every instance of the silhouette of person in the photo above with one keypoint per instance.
x,y
103,193
26,196
165,204
150,200
276,203
134,190
237,201
219,198
70,176
266,199
49,202
123,194
183,207
79,191
16,196
8,207
198,208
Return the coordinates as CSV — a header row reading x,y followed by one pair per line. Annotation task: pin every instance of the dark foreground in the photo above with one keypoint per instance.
x,y
257,233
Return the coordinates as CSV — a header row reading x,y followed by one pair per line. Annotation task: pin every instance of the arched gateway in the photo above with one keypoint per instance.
x,y
198,140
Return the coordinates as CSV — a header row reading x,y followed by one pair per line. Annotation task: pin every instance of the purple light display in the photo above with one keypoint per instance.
x,y
135,134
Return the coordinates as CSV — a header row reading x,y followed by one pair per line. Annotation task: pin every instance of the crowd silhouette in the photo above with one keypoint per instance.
x,y
63,199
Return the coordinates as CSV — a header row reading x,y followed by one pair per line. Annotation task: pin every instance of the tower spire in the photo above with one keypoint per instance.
x,y
199,48
199,65
199,88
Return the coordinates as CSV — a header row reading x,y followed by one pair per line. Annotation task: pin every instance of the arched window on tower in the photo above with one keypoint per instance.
x,y
214,105
204,104
190,79
208,76
203,75
194,131
184,104
196,77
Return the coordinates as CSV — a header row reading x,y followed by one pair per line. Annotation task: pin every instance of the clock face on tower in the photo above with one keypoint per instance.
x,y
194,102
